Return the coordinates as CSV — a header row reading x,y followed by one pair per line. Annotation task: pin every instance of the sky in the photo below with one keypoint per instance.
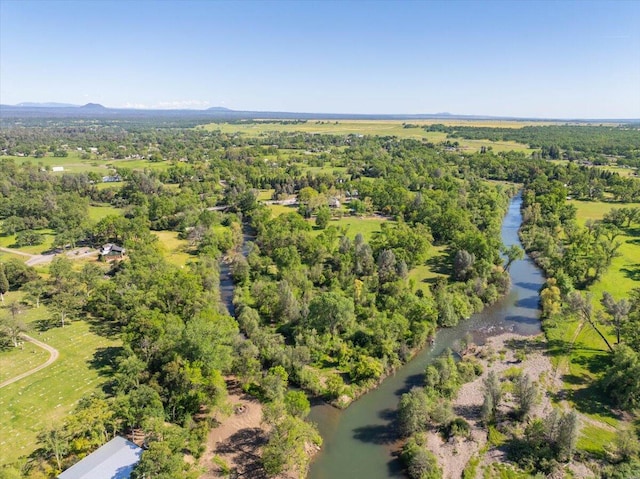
x,y
536,59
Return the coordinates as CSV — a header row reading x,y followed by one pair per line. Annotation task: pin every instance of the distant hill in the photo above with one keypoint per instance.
x,y
93,106
219,113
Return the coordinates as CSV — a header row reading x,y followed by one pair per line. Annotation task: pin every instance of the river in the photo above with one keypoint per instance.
x,y
359,441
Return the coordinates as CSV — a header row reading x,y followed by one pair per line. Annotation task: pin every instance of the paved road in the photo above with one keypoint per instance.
x,y
35,259
53,355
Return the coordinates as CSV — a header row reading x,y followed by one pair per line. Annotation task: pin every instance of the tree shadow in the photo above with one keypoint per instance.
x,y
530,302
43,325
245,446
632,273
410,382
440,264
593,400
101,327
104,360
530,286
380,434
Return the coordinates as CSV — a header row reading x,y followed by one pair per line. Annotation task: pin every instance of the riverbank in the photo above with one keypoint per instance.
x,y
503,355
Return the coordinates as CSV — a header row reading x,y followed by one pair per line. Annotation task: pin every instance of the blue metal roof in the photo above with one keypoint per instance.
x,y
115,460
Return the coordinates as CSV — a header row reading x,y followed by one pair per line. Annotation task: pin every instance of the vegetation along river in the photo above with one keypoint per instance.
x,y
359,442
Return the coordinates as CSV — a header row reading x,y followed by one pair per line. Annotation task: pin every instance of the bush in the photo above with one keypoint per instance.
x,y
457,428
420,462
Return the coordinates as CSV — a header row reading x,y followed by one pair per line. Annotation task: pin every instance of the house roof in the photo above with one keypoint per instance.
x,y
115,460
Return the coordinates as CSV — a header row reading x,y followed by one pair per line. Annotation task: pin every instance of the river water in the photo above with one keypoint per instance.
x,y
358,442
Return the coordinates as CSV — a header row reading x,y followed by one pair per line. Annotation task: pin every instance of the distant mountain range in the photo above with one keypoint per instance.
x,y
95,110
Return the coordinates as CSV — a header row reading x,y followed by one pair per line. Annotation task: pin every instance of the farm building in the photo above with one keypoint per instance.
x,y
112,251
115,460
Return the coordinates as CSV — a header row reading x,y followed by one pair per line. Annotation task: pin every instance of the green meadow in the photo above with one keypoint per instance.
x,y
44,398
579,354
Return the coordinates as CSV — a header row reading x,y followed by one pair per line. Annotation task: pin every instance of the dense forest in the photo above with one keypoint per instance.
x,y
318,310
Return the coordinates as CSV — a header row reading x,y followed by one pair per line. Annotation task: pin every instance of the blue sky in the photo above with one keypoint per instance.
x,y
527,59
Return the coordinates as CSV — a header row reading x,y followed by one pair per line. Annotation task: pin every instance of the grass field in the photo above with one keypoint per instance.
x,y
427,272
352,225
17,361
624,273
35,402
378,128
97,212
582,355
10,240
175,250
75,164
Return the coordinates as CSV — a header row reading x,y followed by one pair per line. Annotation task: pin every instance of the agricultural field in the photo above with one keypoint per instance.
x,y
35,402
378,128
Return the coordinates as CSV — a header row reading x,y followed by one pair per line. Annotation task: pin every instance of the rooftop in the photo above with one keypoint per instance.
x,y
115,460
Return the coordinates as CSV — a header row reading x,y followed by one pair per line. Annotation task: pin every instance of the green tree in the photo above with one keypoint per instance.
x,y
323,216
618,310
55,443
297,404
413,412
331,312
34,291
286,450
4,283
492,396
512,253
525,393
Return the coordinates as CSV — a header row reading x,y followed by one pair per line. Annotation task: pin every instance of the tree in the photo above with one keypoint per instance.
x,y
159,461
4,283
331,312
274,383
581,306
512,253
525,393
286,450
297,404
323,216
492,397
34,291
55,442
413,412
66,304
419,461
622,379
617,310
462,264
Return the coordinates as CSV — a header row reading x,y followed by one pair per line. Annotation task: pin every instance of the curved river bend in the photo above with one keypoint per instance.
x,y
358,442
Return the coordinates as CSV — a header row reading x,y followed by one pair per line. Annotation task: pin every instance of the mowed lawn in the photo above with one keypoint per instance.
x,y
352,225
581,355
44,398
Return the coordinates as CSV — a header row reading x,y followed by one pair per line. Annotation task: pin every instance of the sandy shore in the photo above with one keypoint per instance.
x,y
454,455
